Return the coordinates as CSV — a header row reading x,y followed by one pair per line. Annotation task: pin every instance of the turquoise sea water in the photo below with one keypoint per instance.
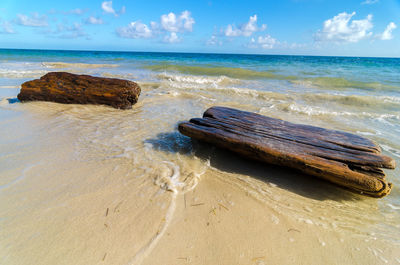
x,y
358,95
322,84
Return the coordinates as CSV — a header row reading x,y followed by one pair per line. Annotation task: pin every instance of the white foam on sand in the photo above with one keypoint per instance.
x,y
20,177
168,180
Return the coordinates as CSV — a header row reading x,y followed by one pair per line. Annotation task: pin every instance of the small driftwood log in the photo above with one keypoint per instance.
x,y
343,158
67,88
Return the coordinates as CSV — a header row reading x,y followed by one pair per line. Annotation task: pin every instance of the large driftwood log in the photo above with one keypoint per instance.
x,y
345,159
69,88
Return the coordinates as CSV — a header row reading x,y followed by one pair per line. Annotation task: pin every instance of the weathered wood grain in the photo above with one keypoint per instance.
x,y
342,158
70,88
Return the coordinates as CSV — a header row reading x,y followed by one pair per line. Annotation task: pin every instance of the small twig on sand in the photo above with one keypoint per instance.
x,y
294,230
198,204
184,198
107,212
105,254
220,204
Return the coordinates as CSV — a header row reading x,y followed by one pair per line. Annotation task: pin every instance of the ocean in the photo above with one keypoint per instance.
x,y
82,184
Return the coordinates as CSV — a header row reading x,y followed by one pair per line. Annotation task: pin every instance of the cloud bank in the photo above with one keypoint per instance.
x,y
168,27
341,29
246,29
263,42
35,20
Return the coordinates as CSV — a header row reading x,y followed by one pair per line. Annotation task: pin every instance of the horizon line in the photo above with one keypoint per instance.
x,y
210,53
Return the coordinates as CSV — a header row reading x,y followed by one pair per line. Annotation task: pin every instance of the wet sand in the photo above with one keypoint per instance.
x,y
93,185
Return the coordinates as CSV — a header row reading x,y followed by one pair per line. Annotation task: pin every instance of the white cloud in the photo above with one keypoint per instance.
x,y
173,23
64,31
230,32
369,2
135,30
264,42
94,20
267,42
169,25
108,8
387,34
246,29
76,11
296,45
172,38
340,29
34,21
6,28
72,32
214,41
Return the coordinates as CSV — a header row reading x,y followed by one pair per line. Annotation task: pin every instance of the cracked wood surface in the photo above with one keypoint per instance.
x,y
343,158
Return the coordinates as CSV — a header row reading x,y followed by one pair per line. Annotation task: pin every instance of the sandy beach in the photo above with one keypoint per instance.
x,y
83,184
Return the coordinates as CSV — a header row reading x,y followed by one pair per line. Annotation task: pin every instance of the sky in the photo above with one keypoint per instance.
x,y
296,27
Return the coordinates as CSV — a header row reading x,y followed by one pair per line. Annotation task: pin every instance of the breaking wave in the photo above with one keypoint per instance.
x,y
219,84
319,111
59,65
121,76
326,82
10,73
339,83
231,72
198,80
370,102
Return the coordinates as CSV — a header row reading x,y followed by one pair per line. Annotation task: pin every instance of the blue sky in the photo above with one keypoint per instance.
x,y
309,27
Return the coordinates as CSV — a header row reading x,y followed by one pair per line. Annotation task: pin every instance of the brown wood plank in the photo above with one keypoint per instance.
x,y
338,138
293,145
345,159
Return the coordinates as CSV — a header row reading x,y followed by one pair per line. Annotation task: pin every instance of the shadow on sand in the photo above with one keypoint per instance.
x,y
223,160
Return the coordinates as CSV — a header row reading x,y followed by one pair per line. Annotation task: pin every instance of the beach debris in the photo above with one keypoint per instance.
x,y
342,158
198,204
223,206
257,258
63,87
